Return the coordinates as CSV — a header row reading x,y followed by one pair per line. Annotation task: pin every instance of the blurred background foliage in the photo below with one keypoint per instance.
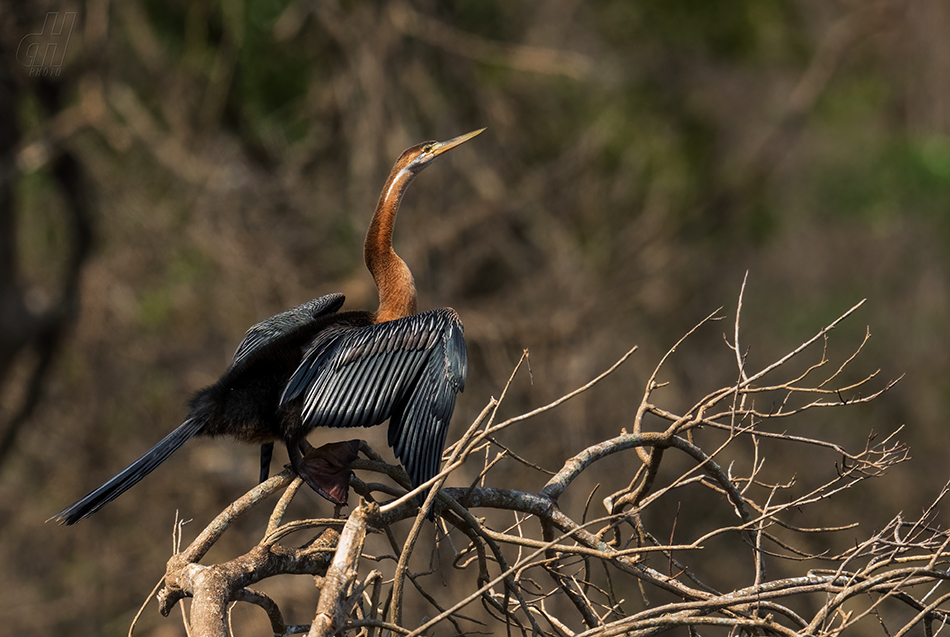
x,y
225,158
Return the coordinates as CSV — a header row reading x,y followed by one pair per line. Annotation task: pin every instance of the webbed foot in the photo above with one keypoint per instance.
x,y
326,469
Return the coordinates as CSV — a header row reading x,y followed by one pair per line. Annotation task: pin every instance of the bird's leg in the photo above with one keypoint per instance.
x,y
326,469
267,452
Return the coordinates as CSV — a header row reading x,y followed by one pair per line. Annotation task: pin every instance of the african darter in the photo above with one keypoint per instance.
x,y
315,366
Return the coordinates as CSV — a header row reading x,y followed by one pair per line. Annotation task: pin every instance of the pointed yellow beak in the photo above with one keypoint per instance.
x,y
440,147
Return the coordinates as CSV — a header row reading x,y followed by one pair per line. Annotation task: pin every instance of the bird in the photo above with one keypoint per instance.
x,y
317,366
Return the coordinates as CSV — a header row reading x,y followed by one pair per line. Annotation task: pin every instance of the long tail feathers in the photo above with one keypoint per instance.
x,y
130,475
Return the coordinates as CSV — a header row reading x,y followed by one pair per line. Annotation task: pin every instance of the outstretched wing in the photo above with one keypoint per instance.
x,y
273,329
418,426
408,371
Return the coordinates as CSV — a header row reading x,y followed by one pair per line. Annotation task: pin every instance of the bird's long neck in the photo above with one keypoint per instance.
x,y
397,290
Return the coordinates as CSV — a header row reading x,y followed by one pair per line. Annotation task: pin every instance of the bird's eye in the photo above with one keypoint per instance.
x,y
427,148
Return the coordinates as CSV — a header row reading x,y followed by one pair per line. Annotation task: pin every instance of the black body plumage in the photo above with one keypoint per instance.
x,y
313,366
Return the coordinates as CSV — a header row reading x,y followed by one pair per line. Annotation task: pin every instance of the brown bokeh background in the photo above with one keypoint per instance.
x,y
640,158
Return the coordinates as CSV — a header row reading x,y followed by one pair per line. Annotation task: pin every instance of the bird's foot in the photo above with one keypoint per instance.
x,y
327,469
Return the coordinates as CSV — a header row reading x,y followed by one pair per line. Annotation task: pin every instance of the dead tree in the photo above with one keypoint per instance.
x,y
535,568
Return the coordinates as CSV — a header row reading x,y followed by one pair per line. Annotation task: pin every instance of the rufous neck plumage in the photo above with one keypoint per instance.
x,y
397,290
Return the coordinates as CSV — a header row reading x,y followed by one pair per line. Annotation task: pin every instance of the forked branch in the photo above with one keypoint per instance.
x,y
556,571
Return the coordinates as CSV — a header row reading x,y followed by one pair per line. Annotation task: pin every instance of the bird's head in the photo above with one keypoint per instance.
x,y
418,157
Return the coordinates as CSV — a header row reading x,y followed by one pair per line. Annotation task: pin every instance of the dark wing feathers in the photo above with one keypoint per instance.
x,y
270,330
418,434
408,371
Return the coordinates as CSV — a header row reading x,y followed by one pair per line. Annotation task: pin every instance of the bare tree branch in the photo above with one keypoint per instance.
x,y
547,544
